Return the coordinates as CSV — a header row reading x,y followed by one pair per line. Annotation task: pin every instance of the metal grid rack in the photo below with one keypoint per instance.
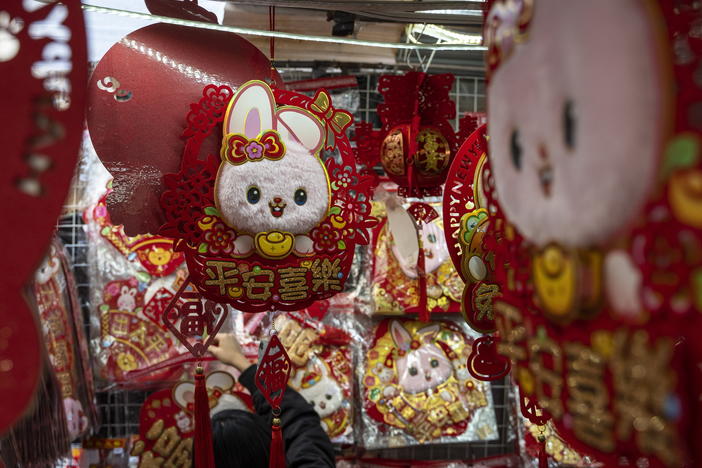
x,y
119,409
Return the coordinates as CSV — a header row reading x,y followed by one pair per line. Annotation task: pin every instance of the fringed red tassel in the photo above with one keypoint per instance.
x,y
543,456
204,451
421,274
277,452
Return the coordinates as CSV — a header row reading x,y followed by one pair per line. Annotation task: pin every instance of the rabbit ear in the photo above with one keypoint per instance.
x,y
250,112
183,393
297,124
323,368
221,380
429,330
400,335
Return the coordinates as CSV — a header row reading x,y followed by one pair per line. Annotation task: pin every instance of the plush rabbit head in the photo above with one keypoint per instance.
x,y
422,365
318,388
574,157
271,177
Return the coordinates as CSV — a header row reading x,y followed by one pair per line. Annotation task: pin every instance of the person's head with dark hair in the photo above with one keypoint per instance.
x,y
240,440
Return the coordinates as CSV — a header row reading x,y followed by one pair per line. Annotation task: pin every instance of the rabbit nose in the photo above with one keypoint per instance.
x,y
277,200
322,405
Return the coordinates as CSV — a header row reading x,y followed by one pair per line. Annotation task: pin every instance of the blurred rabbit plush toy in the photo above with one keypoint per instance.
x,y
595,153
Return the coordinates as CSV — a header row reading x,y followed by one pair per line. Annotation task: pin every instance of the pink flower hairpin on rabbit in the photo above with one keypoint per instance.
x,y
272,188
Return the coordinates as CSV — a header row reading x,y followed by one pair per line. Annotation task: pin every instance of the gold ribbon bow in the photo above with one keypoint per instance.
x,y
338,120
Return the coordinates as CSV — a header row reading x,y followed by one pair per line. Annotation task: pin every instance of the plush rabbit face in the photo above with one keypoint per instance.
x,y
424,365
575,120
324,394
282,187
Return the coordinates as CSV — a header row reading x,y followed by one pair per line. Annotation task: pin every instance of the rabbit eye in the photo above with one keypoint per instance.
x,y
312,402
253,195
431,238
434,363
329,397
413,371
515,148
300,196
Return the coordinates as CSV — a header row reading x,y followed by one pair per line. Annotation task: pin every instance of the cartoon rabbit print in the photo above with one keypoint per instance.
x,y
422,365
574,156
318,388
280,198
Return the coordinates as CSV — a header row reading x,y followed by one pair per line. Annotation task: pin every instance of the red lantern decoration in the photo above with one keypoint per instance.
x,y
416,142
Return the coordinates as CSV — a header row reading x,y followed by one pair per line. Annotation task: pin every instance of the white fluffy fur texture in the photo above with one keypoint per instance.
x,y
297,169
601,54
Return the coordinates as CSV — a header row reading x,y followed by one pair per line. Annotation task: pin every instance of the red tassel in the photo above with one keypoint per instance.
x,y
421,274
277,456
204,451
543,457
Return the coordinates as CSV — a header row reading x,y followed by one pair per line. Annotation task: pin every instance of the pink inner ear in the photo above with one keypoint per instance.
x,y
189,396
253,123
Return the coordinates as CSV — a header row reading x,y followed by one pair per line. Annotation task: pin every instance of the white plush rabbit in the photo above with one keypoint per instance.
x,y
423,365
574,157
318,388
274,184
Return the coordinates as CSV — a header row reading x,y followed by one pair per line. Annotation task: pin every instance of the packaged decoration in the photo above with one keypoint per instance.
x,y
133,279
599,256
397,288
62,327
322,370
416,387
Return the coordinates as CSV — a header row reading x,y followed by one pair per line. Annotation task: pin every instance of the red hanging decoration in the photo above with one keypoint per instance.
x,y
272,379
254,255
204,450
469,215
416,142
195,322
484,362
150,66
40,128
543,456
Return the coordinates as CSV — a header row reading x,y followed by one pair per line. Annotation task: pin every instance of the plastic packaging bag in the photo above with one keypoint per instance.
x,y
396,287
416,387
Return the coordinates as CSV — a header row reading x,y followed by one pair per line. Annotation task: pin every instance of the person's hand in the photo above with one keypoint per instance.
x,y
227,349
